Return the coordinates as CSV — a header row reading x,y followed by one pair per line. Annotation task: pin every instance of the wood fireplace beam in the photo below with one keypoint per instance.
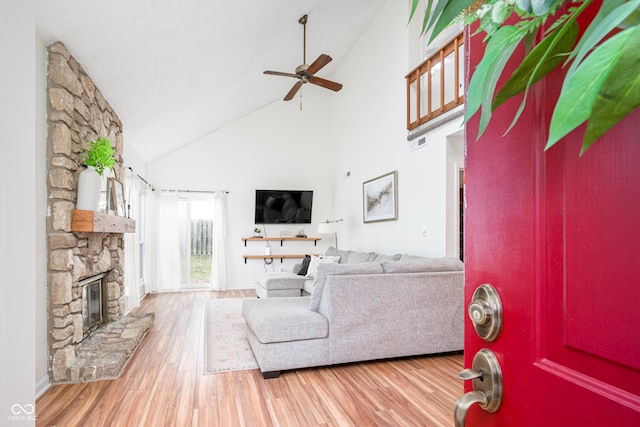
x,y
98,222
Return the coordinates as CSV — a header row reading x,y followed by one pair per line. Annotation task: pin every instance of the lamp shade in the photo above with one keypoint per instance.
x,y
327,227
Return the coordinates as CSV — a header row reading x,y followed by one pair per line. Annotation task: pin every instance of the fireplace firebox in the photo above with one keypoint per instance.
x,y
93,303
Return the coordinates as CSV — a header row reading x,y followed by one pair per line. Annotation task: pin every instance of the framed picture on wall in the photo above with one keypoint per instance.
x,y
380,198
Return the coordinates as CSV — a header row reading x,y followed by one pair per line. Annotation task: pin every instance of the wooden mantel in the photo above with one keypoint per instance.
x,y
98,222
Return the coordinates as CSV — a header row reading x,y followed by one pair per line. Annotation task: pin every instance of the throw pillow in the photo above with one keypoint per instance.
x,y
344,255
317,260
304,267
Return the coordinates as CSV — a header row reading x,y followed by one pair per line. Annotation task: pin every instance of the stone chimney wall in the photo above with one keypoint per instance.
x,y
77,114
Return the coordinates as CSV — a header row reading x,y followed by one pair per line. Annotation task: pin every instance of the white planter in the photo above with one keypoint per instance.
x,y
89,182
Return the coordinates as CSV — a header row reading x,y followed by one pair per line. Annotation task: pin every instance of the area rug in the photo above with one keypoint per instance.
x,y
226,345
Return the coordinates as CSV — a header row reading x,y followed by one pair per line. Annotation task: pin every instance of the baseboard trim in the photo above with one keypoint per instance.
x,y
42,386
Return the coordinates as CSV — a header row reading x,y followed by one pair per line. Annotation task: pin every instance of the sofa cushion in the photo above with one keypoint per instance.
x,y
344,255
407,257
284,319
280,280
381,257
356,257
317,260
423,265
338,269
308,286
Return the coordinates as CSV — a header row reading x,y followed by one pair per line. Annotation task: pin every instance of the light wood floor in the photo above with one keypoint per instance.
x,y
164,385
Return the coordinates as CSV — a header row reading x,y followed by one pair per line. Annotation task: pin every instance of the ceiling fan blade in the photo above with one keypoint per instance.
x,y
318,64
278,73
328,84
296,87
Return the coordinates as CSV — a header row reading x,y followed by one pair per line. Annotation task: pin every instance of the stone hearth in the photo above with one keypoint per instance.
x,y
106,352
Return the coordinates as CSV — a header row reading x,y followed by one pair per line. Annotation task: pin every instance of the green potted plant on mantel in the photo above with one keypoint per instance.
x,y
257,232
98,157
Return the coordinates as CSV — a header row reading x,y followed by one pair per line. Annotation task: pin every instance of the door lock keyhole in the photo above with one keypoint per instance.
x,y
485,312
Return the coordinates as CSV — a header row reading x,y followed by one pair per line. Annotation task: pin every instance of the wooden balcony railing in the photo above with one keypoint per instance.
x,y
437,84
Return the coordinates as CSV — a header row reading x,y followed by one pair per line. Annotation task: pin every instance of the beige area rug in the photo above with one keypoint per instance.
x,y
226,345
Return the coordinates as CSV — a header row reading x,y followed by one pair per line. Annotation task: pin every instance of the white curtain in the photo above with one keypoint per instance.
x,y
167,242
219,258
150,241
132,243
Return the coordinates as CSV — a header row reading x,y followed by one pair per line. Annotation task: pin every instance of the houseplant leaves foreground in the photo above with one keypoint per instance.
x,y
602,83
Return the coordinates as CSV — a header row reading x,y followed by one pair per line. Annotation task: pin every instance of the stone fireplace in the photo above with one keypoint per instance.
x,y
77,114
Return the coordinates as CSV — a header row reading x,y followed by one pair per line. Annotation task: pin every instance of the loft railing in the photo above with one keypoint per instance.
x,y
437,84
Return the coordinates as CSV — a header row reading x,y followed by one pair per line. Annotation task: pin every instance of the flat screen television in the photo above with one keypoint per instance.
x,y
283,206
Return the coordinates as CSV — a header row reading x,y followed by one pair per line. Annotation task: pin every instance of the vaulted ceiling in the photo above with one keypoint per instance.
x,y
175,70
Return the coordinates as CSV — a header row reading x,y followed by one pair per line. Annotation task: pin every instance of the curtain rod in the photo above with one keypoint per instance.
x,y
177,191
139,177
191,191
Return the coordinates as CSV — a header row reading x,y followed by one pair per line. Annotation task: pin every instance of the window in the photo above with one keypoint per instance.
x,y
436,85
196,238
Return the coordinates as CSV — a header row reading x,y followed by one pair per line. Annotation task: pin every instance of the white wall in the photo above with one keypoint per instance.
x,y
18,214
276,147
360,130
42,352
132,159
455,162
369,135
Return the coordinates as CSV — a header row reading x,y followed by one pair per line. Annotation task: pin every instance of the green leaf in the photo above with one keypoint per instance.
x,y
450,10
610,15
544,58
566,28
485,78
414,7
99,154
542,7
432,16
633,19
579,91
620,92
524,5
500,12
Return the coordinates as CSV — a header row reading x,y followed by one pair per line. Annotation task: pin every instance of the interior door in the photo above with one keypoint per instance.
x,y
557,235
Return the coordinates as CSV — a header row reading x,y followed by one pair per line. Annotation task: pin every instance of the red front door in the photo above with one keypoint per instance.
x,y
558,236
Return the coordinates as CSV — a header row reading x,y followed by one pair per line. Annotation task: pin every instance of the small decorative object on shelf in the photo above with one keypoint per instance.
x,y
257,232
98,157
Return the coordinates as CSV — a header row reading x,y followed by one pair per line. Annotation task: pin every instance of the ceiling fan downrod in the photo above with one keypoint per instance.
x,y
303,21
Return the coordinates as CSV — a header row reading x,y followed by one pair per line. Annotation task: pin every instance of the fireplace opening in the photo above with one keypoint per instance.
x,y
93,303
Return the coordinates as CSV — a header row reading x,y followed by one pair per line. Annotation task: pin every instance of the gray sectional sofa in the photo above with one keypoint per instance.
x,y
365,307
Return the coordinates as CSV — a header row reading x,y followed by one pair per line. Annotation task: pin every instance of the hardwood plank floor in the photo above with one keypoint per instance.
x,y
164,385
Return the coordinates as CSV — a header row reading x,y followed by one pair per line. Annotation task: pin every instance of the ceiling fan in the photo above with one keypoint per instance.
x,y
306,73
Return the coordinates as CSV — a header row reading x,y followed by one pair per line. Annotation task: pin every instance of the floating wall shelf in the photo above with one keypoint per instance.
x,y
276,256
282,239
